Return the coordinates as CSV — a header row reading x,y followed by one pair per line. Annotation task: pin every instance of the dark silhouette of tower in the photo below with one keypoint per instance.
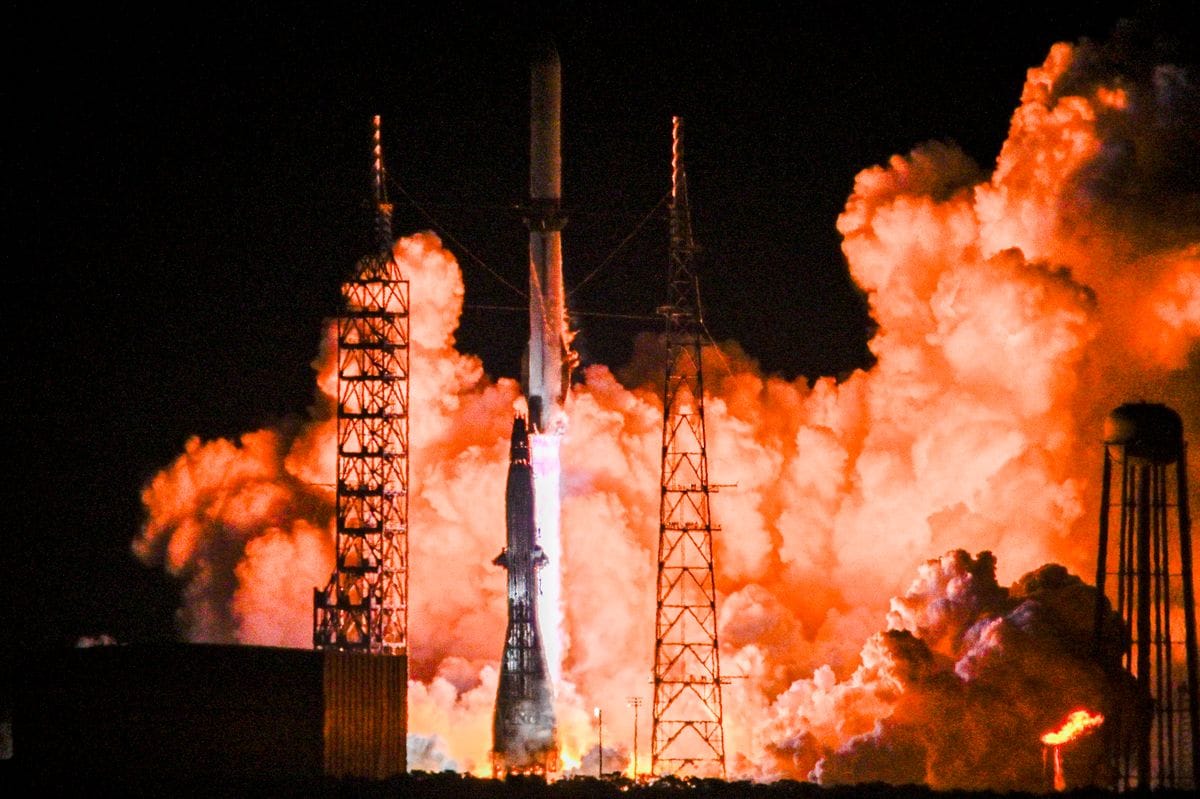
x,y
524,736
1145,497
364,607
688,737
360,617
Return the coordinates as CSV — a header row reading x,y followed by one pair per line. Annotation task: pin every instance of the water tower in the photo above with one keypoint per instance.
x,y
1144,504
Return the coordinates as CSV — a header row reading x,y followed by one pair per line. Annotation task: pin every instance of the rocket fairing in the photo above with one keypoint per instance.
x,y
525,738
549,357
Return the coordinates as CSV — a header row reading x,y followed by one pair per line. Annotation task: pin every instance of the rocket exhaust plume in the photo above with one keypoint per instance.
x,y
937,507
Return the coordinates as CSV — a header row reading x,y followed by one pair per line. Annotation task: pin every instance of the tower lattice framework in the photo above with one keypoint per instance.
x,y
687,734
364,607
1144,495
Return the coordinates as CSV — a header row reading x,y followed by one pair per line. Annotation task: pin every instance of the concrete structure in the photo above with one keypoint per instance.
x,y
172,714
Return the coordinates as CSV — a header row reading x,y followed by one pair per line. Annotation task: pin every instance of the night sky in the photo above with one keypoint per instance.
x,y
194,190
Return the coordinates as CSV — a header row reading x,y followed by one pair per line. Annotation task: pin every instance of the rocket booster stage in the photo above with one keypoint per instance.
x,y
524,734
547,374
525,738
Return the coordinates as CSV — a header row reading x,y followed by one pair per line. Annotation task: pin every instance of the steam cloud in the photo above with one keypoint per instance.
x,y
1014,311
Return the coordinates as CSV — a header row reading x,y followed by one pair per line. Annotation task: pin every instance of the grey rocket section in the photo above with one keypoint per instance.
x,y
548,358
525,738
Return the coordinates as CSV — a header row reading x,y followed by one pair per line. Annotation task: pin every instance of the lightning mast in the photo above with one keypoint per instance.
x,y
364,607
688,736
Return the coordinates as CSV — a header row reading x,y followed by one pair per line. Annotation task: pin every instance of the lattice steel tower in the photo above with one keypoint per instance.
x,y
688,736
1145,492
365,605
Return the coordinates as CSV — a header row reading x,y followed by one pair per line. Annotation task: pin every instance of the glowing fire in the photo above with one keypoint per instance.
x,y
1079,722
1014,309
570,762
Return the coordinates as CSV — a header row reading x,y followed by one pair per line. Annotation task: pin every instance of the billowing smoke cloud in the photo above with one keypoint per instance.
x,y
977,672
427,753
616,761
1015,309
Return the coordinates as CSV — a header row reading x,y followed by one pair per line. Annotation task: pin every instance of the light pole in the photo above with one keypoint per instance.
x,y
600,741
635,702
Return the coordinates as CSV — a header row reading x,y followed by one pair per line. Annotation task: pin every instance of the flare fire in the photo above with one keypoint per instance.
x,y
1079,722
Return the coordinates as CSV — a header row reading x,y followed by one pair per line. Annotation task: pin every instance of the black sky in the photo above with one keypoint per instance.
x,y
194,185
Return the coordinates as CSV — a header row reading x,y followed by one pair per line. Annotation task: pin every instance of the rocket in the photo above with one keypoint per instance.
x,y
549,357
524,735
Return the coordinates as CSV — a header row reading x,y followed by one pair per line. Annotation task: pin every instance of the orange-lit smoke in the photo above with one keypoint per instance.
x,y
1014,310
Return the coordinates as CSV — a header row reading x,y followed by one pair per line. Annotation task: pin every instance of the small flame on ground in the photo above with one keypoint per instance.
x,y
1060,782
1079,722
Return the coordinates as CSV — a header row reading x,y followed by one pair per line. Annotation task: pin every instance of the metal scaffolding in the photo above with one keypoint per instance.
x,y
688,736
364,607
1155,745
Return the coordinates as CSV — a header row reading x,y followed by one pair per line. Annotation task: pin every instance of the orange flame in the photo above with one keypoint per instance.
x,y
1060,780
1113,98
1079,722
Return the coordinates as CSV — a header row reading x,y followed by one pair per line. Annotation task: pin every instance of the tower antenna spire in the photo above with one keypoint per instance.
x,y
383,208
688,732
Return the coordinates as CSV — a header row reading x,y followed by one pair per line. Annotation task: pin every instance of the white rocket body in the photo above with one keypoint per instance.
x,y
547,375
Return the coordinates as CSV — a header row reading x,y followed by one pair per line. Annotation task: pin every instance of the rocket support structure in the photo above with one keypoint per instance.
x,y
364,606
688,737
